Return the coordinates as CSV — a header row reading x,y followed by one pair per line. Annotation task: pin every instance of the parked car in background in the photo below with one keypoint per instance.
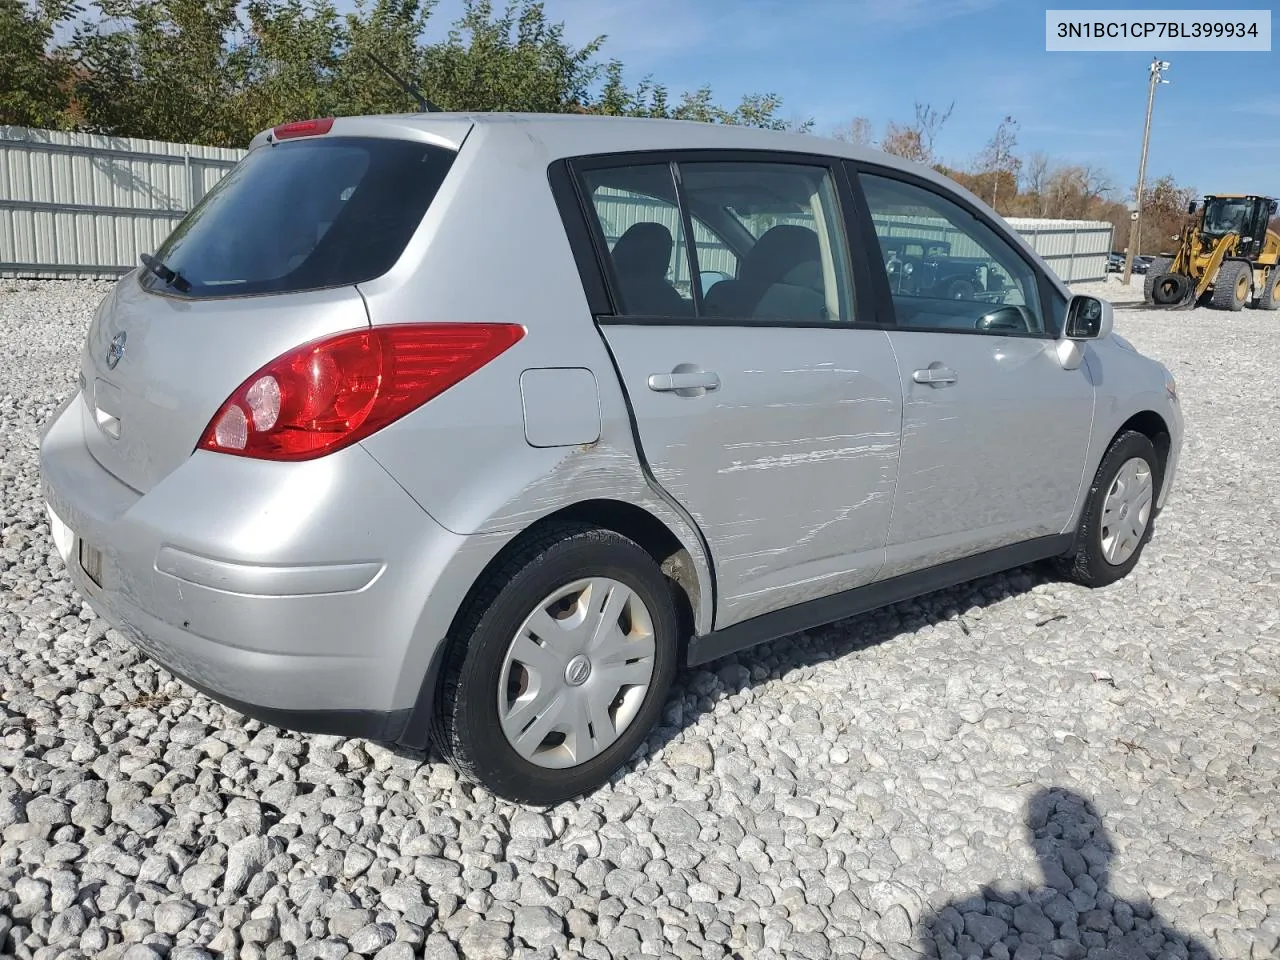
x,y
1115,263
321,466
927,268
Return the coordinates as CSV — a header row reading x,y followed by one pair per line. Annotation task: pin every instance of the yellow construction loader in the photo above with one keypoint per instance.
x,y
1229,255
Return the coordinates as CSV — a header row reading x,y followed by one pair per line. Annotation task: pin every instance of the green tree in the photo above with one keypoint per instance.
x,y
388,30
160,69
517,60
761,110
34,82
285,68
218,71
615,99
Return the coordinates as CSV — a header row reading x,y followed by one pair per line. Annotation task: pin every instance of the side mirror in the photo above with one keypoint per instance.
x,y
1274,205
1191,207
1088,318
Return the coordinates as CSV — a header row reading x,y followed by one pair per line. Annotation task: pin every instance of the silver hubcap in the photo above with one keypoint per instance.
x,y
576,673
1126,511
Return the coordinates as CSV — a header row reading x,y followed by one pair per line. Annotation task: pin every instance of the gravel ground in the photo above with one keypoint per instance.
x,y
1015,768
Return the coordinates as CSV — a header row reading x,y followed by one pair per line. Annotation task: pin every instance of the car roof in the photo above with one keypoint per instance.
x,y
538,139
560,135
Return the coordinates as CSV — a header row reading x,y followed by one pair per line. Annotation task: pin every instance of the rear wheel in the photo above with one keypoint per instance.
x,y
1159,266
1116,524
1231,286
558,668
1269,299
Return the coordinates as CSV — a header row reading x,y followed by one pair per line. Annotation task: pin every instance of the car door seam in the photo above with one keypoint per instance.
x,y
651,481
1090,359
902,425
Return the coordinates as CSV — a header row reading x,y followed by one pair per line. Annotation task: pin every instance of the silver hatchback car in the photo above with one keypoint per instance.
x,y
474,428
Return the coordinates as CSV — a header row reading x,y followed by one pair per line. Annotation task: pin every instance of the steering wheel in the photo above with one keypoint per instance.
x,y
1003,318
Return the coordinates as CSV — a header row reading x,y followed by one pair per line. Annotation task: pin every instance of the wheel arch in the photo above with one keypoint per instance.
x,y
1155,428
654,537
1152,426
651,533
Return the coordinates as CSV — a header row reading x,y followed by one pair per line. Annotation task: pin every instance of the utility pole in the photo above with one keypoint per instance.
x,y
1135,227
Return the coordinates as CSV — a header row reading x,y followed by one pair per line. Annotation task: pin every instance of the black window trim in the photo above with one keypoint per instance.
x,y
569,201
595,266
1045,289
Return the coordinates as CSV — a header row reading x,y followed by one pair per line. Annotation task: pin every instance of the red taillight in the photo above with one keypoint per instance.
x,y
333,392
303,128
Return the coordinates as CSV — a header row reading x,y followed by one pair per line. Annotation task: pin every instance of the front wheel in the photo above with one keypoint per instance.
x,y
1116,523
1231,285
559,667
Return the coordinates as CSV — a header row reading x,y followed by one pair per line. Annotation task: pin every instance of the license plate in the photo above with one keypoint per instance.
x,y
91,563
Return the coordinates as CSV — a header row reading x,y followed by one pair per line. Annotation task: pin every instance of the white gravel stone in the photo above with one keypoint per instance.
x,y
173,916
1013,768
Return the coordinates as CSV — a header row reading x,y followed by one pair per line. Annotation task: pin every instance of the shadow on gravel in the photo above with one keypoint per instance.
x,y
1072,915
768,662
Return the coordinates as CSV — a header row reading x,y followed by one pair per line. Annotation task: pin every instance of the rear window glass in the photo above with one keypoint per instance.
x,y
303,215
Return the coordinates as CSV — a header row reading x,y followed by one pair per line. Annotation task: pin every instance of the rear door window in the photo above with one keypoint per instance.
x,y
768,244
304,215
796,268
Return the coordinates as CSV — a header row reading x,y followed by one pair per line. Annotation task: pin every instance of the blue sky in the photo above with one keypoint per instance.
x,y
1216,124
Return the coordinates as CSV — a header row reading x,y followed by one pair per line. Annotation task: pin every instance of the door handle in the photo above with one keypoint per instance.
x,y
680,381
935,376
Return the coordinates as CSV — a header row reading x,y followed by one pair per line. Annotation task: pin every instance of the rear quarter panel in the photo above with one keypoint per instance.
x,y
493,248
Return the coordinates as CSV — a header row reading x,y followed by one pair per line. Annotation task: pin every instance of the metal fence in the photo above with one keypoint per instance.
x,y
82,205
1075,249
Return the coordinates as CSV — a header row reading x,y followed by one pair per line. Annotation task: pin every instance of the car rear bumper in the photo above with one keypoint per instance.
x,y
308,595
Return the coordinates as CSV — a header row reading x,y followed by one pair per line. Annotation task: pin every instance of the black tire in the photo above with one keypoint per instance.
x,y
1226,286
1159,265
1170,289
961,290
1269,299
467,729
1087,565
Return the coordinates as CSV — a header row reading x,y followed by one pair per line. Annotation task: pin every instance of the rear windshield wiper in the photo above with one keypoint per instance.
x,y
171,277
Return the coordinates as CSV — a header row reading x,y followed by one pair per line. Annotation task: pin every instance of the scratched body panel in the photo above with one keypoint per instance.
x,y
465,457
976,470
789,467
